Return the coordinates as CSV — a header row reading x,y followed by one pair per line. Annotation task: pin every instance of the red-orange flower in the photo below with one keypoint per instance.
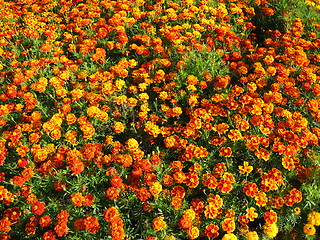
x,y
226,151
212,231
38,208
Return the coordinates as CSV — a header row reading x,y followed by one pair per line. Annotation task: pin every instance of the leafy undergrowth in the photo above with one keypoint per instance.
x,y
159,119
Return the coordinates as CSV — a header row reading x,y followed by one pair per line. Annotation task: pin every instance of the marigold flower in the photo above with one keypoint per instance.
x,y
49,235
309,229
314,218
132,144
271,230
270,217
193,232
261,198
159,224
176,202
228,225
211,211
245,169
118,127
251,189
209,181
226,151
229,236
143,194
110,214
112,193
91,224
251,214
5,224
212,231
38,208
77,199
234,135
117,232
252,235
61,229
45,221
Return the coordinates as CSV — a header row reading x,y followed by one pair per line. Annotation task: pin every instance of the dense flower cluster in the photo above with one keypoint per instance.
x,y
154,119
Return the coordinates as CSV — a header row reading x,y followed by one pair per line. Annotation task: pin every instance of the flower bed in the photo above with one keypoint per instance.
x,y
191,119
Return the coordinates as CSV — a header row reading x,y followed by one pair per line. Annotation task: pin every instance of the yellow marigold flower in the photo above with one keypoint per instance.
x,y
271,230
192,80
314,218
176,111
155,189
297,210
229,236
235,135
143,97
171,237
245,168
309,229
251,213
132,144
118,127
252,235
93,111
193,232
189,213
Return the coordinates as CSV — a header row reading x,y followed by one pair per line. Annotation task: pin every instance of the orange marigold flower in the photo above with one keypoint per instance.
x,y
224,186
45,221
143,194
288,162
209,181
118,127
185,223
112,193
110,214
167,180
216,140
219,169
176,202
61,229
91,224
49,235
77,199
221,128
228,225
38,208
192,80
5,225
309,229
179,177
159,224
117,233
